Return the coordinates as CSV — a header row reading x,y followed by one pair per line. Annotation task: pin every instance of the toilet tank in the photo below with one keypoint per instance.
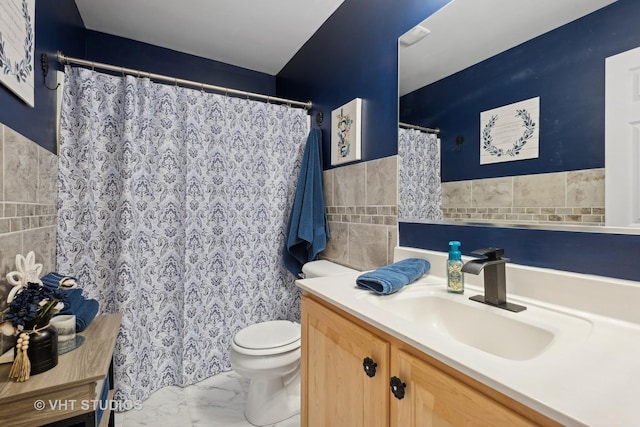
x,y
322,268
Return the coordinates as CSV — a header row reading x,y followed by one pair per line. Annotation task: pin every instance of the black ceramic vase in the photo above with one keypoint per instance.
x,y
43,347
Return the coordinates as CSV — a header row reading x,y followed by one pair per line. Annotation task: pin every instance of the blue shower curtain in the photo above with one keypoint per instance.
x,y
173,205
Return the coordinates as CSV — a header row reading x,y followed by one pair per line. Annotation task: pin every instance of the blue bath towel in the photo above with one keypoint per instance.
x,y
85,313
84,309
389,279
75,303
308,228
52,279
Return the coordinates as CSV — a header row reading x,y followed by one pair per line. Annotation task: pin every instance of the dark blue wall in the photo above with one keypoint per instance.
x,y
354,55
564,67
108,49
612,255
58,26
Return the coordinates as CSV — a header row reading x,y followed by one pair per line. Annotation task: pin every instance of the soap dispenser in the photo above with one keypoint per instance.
x,y
455,276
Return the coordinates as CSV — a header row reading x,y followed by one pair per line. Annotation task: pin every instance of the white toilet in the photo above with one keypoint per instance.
x,y
268,354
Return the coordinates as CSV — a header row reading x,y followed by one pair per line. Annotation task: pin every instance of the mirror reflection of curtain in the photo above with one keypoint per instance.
x,y
420,195
172,208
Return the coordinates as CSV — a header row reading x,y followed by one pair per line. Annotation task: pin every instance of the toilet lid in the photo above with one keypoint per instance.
x,y
272,334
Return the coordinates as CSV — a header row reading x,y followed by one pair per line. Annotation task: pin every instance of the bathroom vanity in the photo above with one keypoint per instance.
x,y
422,356
339,390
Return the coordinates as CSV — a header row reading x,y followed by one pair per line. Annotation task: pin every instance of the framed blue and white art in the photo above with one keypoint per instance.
x,y
510,132
346,130
17,39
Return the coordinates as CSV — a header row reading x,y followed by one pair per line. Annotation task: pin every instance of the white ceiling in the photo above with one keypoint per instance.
x,y
465,32
264,35
255,34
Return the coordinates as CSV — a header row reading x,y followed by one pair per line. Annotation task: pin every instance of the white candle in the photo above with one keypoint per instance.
x,y
65,324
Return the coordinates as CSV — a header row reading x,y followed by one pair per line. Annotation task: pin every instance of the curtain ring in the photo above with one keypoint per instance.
x,y
268,99
175,81
93,66
202,87
122,71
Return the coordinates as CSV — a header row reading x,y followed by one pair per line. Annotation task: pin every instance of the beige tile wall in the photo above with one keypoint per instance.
x,y
28,197
574,197
362,205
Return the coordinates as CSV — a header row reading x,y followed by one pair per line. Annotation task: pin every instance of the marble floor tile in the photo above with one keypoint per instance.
x,y
215,402
165,407
291,422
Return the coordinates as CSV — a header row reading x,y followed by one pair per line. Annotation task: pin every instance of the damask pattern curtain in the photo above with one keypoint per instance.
x,y
420,195
173,205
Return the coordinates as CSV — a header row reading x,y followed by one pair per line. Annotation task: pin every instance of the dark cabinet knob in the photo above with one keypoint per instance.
x,y
369,366
397,387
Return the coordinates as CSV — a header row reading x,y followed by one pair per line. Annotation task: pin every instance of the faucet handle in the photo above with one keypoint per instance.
x,y
492,254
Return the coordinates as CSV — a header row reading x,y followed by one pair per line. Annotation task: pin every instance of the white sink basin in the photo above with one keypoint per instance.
x,y
514,336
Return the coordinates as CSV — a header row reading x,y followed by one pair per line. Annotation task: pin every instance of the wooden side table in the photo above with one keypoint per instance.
x,y
69,390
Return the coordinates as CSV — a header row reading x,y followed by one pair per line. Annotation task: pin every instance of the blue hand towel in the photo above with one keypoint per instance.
x,y
308,228
389,279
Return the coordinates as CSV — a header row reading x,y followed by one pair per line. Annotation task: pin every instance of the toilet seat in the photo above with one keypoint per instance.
x,y
267,338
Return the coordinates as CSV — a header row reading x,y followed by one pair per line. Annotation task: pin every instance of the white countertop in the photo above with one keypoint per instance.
x,y
589,375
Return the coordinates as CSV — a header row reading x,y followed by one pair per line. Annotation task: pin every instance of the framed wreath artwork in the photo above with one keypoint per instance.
x,y
346,128
510,132
17,38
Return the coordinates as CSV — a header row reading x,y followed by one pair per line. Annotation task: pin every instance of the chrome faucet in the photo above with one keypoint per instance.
x,y
495,284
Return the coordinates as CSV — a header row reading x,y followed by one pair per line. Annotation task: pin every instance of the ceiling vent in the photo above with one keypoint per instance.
x,y
414,35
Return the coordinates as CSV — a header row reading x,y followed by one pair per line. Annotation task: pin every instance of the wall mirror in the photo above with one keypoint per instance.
x,y
475,57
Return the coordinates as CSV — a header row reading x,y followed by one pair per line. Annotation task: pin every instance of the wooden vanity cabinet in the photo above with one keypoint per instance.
x,y
336,390
435,398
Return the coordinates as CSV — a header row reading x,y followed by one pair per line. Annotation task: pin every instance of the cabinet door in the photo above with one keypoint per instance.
x,y
338,390
433,398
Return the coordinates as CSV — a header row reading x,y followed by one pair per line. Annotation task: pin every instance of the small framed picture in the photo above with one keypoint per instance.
x,y
346,130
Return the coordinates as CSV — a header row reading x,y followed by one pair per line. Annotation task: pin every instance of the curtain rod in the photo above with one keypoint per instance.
x,y
428,130
65,59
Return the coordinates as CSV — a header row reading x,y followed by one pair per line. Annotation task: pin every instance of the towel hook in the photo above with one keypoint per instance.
x,y
45,71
